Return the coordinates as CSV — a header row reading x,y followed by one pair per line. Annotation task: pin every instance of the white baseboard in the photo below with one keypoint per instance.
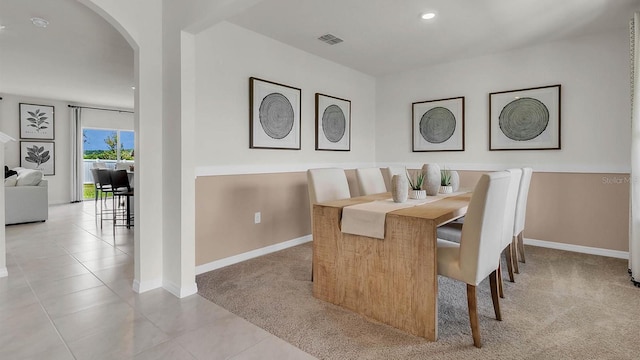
x,y
145,286
4,272
180,292
200,269
578,248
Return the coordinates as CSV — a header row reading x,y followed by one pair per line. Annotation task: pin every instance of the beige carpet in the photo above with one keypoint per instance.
x,y
563,306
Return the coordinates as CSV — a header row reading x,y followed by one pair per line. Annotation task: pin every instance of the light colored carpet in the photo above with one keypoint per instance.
x,y
563,305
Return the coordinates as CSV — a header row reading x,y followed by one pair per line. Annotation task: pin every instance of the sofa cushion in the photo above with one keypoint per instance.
x,y
29,177
11,180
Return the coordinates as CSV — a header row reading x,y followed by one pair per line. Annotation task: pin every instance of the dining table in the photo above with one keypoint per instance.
x,y
389,272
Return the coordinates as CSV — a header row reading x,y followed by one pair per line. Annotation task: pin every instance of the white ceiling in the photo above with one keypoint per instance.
x,y
79,57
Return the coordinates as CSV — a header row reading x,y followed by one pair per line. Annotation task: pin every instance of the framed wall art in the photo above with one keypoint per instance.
x,y
36,121
274,115
333,123
526,119
438,125
39,155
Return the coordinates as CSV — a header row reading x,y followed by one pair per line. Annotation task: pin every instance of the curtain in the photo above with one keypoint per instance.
x,y
634,223
77,165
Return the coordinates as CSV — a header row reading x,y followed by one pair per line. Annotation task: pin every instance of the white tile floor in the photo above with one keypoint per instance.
x,y
68,296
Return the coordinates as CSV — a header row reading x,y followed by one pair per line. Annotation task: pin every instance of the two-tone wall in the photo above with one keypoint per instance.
x,y
576,198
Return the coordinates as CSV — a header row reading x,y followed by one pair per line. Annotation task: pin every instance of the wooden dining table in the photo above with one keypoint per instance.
x,y
391,280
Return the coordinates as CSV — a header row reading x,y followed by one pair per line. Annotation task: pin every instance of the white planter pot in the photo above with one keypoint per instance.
x,y
446,189
418,194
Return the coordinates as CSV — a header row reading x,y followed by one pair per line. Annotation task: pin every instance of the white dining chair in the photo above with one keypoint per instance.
x,y
509,219
453,230
477,255
370,181
388,172
521,212
326,184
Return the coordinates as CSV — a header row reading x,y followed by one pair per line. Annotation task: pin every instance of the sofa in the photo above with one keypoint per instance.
x,y
26,197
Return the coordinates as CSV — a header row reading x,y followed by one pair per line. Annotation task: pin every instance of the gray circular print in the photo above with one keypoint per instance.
x,y
333,123
276,115
437,125
524,119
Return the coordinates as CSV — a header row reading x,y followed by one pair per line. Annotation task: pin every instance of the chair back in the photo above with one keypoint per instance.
x,y
521,206
388,172
510,208
120,180
370,181
325,185
94,175
483,227
104,177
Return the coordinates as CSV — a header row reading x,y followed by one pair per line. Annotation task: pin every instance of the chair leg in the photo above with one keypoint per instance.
x,y
514,254
500,284
521,247
493,281
507,253
473,315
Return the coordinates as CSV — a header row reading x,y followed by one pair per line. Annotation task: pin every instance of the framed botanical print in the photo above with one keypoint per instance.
x,y
39,155
274,115
36,121
438,125
525,119
333,123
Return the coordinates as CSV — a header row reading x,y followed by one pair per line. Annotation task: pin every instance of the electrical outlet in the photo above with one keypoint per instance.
x,y
256,218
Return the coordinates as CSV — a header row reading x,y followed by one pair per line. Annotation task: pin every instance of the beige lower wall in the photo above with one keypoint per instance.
x,y
578,209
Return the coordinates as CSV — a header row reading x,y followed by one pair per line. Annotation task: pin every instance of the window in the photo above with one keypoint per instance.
x,y
108,144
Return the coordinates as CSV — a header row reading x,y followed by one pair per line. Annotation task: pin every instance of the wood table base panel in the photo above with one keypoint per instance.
x,y
393,280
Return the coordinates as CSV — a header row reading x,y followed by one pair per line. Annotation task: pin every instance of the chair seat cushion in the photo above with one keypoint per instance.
x,y
449,259
451,232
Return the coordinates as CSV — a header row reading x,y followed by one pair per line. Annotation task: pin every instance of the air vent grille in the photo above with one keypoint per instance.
x,y
330,39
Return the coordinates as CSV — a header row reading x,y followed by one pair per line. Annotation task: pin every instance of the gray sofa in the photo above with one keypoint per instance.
x,y
26,202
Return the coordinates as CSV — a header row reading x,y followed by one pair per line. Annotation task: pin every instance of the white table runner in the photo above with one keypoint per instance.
x,y
368,219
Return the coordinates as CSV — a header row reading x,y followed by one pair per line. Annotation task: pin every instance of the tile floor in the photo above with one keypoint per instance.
x,y
69,296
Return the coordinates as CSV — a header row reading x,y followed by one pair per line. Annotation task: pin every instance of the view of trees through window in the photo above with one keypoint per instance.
x,y
108,144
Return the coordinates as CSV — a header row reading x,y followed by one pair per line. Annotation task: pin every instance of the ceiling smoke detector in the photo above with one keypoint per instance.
x,y
39,22
330,39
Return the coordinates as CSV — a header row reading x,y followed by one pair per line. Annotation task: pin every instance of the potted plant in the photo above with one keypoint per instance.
x,y
445,182
416,187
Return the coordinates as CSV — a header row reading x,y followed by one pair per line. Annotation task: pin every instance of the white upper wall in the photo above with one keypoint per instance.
x,y
593,72
227,55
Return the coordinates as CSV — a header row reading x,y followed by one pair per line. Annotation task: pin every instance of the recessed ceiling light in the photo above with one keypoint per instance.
x,y
133,88
39,22
2,27
428,16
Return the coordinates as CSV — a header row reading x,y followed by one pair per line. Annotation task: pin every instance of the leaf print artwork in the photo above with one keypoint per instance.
x,y
37,120
37,155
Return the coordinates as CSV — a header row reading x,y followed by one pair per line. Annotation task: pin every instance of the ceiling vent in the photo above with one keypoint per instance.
x,y
330,39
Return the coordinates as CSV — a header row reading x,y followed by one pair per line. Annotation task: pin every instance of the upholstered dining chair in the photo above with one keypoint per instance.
x,y
388,172
98,188
521,212
477,255
121,189
452,231
509,220
326,184
370,181
104,178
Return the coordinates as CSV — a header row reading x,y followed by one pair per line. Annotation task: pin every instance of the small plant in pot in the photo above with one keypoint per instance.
x,y
416,187
445,182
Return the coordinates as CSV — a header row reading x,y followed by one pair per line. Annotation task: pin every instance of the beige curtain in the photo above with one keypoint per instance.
x,y
634,223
